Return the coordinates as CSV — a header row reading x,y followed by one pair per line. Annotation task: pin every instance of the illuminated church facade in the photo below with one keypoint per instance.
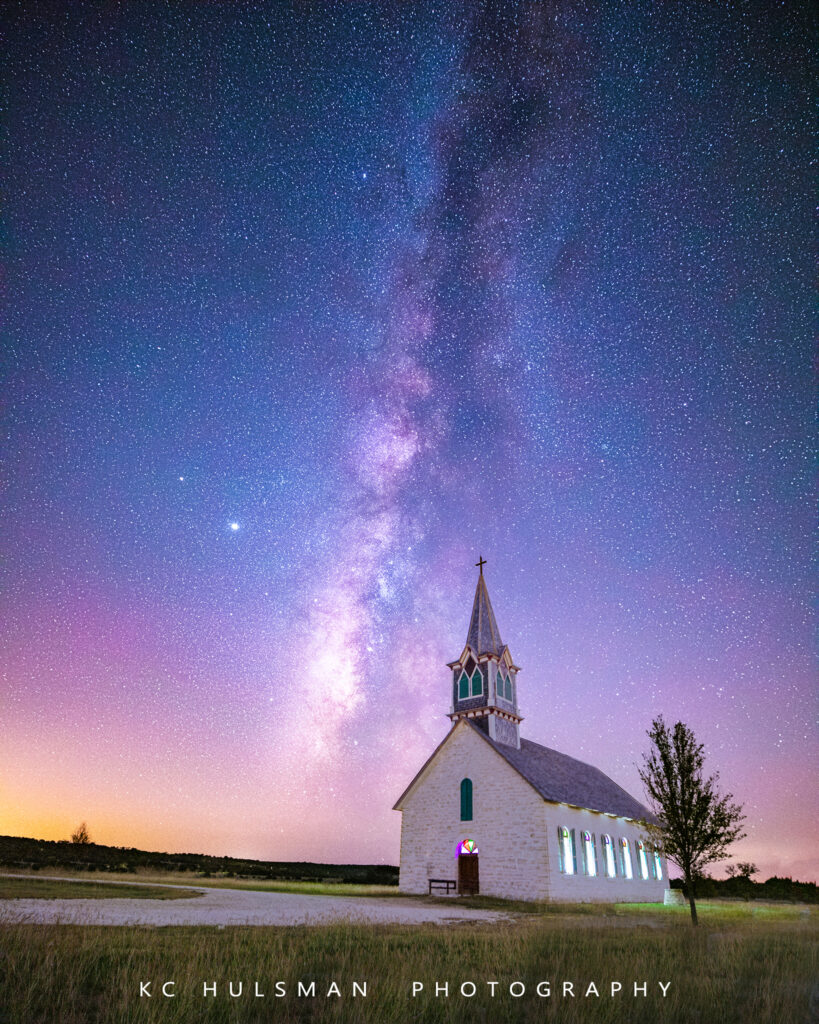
x,y
493,813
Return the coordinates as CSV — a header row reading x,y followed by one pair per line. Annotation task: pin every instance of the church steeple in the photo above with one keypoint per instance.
x,y
483,635
484,678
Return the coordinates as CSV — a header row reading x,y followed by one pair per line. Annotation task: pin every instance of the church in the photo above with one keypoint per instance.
x,y
496,814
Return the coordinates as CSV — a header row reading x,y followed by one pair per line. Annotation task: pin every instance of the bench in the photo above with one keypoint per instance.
x,y
447,884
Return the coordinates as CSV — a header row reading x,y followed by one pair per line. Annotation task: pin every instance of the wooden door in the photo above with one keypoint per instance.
x,y
468,874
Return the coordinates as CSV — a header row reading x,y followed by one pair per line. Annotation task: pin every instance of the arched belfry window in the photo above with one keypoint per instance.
x,y
509,688
466,800
463,686
477,683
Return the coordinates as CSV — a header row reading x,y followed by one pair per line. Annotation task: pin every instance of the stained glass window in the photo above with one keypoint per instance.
x,y
641,857
625,859
566,852
467,846
609,861
589,859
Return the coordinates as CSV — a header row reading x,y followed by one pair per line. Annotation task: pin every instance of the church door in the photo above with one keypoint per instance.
x,y
468,874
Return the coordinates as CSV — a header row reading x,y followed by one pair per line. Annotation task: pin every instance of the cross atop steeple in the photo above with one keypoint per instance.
x,y
481,563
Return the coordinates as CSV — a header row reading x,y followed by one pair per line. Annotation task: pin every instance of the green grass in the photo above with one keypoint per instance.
x,y
657,913
724,911
739,966
306,888
225,882
46,889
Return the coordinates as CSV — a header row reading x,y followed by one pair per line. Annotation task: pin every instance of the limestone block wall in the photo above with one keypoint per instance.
x,y
581,887
508,823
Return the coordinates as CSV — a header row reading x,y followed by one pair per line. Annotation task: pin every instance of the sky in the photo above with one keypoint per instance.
x,y
310,305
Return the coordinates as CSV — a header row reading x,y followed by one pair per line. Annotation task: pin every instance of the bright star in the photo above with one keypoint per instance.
x,y
234,526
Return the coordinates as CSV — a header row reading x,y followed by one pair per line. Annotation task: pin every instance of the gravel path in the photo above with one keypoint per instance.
x,y
238,906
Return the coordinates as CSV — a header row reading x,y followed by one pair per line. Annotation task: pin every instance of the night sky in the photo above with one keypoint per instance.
x,y
308,306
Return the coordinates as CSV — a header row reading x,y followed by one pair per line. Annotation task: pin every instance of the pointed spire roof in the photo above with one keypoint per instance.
x,y
483,635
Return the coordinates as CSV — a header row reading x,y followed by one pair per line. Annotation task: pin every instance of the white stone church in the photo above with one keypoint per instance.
x,y
493,813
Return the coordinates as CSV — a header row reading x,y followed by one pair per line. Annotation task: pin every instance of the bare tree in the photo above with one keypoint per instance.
x,y
694,824
80,835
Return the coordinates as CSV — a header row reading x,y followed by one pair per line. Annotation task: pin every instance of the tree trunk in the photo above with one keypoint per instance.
x,y
689,887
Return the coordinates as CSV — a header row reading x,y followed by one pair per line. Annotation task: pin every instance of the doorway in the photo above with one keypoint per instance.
x,y
468,884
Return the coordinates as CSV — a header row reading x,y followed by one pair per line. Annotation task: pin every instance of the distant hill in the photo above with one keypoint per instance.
x,y
16,852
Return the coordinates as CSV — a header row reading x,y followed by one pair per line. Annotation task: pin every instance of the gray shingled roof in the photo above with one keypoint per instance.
x,y
566,780
483,635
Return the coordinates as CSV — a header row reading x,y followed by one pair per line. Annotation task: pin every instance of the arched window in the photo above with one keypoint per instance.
x,y
658,866
477,683
589,854
466,800
508,687
642,860
463,687
499,684
609,863
566,851
625,859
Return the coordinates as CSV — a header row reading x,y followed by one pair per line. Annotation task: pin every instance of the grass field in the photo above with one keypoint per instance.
x,y
225,882
48,889
744,964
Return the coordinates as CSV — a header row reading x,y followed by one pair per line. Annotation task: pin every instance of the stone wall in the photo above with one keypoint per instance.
x,y
583,888
508,823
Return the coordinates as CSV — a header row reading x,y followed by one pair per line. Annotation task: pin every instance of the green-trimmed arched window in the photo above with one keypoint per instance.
x,y
466,800
477,683
508,687
463,686
499,684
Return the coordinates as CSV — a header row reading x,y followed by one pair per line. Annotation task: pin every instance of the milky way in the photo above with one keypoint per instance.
x,y
307,310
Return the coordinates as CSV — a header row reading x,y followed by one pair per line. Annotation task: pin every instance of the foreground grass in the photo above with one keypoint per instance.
x,y
47,889
736,968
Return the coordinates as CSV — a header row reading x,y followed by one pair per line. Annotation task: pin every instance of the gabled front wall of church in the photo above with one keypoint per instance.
x,y
508,823
579,885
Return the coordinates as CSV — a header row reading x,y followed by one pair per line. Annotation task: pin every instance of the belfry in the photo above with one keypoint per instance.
x,y
484,677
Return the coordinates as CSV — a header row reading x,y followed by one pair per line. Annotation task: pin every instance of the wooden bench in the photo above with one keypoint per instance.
x,y
447,884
